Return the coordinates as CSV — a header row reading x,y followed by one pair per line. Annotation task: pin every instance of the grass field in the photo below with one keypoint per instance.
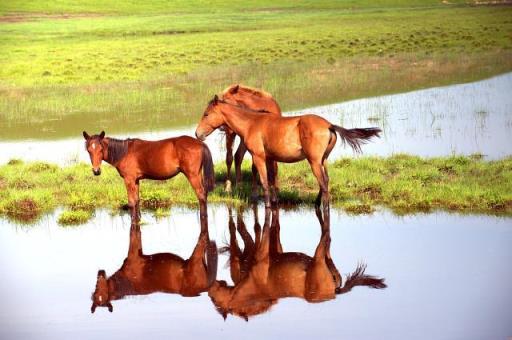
x,y
127,66
402,183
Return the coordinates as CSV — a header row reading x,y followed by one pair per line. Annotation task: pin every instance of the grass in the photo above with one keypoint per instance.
x,y
405,184
129,66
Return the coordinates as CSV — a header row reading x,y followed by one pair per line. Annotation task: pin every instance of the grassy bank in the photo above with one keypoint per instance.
x,y
132,67
405,184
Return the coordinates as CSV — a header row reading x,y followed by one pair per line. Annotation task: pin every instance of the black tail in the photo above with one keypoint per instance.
x,y
358,278
356,137
208,173
211,262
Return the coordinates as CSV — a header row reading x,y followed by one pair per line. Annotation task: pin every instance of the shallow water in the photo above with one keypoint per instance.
x,y
460,119
448,277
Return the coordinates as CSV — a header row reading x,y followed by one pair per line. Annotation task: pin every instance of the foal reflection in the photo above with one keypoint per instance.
x,y
164,272
263,273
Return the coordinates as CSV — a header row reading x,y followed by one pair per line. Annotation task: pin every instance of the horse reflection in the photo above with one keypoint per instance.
x,y
164,272
263,273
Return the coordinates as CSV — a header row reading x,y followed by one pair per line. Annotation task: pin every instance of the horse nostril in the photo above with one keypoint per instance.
x,y
96,172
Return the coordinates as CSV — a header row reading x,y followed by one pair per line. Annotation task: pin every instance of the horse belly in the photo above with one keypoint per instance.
x,y
161,165
285,147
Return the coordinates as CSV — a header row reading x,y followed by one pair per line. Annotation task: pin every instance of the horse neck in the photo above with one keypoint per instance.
x,y
238,119
119,286
116,149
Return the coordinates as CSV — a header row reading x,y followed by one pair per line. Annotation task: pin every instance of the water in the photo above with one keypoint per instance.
x,y
460,119
448,277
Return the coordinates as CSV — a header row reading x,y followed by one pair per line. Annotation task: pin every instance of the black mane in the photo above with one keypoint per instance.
x,y
117,148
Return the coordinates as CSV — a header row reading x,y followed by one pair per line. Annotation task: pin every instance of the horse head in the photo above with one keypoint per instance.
x,y
96,149
101,297
211,120
251,98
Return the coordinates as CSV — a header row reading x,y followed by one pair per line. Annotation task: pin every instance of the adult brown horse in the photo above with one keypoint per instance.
x,y
137,159
254,99
285,139
266,274
164,272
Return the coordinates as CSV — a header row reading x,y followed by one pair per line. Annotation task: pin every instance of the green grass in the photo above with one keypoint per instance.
x,y
136,66
405,184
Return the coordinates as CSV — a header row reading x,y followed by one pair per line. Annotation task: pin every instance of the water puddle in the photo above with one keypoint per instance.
x,y
448,276
460,119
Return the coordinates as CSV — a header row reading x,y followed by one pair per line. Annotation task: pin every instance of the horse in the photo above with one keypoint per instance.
x,y
137,159
285,139
163,272
254,99
268,274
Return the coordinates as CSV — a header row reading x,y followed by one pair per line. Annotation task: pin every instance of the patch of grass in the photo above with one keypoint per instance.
x,y
58,72
402,183
74,217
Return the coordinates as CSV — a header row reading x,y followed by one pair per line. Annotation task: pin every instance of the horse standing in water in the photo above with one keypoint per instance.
x,y
137,159
285,139
164,272
254,99
266,273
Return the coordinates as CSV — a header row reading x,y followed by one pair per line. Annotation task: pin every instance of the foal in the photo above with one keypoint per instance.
x,y
137,159
285,139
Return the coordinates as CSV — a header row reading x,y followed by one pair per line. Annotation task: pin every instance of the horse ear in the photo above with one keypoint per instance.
x,y
93,307
234,89
224,315
215,98
102,134
86,135
110,308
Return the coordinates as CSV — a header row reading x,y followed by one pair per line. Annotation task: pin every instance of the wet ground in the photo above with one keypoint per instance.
x,y
448,277
460,119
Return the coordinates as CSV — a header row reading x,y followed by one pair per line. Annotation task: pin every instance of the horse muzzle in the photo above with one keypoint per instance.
x,y
200,136
96,172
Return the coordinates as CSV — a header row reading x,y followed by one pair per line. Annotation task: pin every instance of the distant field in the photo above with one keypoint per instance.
x,y
63,64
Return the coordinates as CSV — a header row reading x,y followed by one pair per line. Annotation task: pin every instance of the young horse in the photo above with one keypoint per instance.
x,y
285,139
164,272
137,159
254,99
273,274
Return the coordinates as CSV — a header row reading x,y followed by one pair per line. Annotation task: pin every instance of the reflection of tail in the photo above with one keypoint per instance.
x,y
358,278
355,137
211,262
208,173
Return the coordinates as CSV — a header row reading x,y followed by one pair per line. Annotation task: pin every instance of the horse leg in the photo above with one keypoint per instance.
x,y
323,183
271,170
239,158
197,184
260,164
254,186
230,138
132,188
320,283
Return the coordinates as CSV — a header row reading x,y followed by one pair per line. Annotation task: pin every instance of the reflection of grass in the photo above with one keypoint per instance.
x,y
402,183
73,217
160,68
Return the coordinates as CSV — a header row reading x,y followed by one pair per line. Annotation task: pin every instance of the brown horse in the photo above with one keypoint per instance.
x,y
285,139
164,272
268,274
254,99
137,159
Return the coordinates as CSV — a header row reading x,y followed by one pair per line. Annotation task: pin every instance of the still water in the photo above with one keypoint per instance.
x,y
460,119
448,277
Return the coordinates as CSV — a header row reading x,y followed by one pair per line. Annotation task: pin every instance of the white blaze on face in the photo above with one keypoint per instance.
x,y
100,298
93,146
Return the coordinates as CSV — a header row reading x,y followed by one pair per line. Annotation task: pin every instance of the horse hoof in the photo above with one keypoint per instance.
x,y
228,186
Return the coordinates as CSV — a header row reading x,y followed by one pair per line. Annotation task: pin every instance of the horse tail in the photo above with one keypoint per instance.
x,y
208,173
359,278
355,137
211,262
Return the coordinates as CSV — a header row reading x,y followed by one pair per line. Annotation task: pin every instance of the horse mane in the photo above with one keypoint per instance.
x,y
117,148
247,89
123,286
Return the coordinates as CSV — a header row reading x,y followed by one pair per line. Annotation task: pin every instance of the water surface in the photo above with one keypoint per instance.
x,y
448,277
459,119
